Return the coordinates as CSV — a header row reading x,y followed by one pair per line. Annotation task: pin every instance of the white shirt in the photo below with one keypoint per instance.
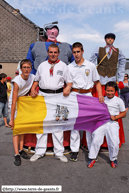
x,y
24,86
115,105
83,76
60,75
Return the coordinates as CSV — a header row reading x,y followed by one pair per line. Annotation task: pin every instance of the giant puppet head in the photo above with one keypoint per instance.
x,y
52,32
109,38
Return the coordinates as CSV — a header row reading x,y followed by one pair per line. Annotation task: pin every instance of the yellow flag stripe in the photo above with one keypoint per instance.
x,y
33,111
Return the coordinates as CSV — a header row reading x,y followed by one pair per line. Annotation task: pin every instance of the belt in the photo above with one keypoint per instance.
x,y
81,90
51,91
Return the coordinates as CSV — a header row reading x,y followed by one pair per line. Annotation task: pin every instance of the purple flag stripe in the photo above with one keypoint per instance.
x,y
92,114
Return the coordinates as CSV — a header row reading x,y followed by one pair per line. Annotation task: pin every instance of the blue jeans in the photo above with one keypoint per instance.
x,y
125,98
3,109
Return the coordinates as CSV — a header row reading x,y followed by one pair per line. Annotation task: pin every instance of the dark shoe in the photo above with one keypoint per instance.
x,y
74,156
91,163
24,155
17,161
114,164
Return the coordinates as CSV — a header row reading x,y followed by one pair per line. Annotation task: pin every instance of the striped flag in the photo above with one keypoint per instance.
x,y
54,113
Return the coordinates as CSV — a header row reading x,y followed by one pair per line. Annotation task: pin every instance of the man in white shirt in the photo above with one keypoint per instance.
x,y
51,76
84,75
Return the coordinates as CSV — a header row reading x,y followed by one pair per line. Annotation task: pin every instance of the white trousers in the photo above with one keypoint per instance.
x,y
89,139
41,145
88,133
74,140
111,131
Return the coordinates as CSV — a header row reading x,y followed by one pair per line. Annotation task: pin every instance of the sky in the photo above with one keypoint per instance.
x,y
86,21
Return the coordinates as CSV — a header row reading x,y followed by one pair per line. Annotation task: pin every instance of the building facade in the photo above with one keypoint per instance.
x,y
16,34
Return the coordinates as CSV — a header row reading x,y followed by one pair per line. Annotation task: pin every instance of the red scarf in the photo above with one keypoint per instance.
x,y
55,41
111,48
52,66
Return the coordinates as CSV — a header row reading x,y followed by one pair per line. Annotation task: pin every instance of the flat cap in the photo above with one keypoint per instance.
x,y
51,26
110,35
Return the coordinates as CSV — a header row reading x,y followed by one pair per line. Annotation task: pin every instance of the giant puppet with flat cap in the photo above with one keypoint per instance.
x,y
38,51
111,67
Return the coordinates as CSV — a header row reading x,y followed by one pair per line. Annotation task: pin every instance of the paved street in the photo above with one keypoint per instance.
x,y
74,177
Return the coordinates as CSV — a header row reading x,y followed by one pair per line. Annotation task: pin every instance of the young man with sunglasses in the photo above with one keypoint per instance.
x,y
51,76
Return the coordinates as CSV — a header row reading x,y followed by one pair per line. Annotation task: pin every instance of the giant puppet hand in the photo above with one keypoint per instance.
x,y
120,85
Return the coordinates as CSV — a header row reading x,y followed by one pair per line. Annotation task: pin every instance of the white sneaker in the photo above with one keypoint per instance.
x,y
62,158
35,157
